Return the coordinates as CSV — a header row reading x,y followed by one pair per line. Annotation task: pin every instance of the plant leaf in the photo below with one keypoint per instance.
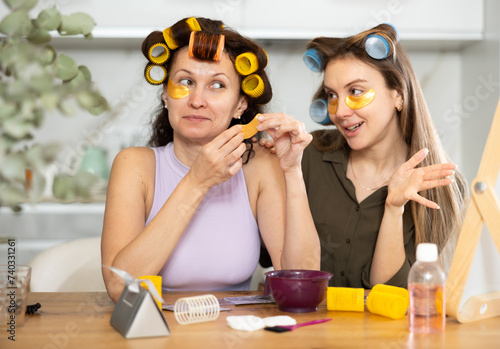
x,y
39,36
85,22
20,4
66,67
7,109
12,194
48,55
49,19
13,167
16,23
17,128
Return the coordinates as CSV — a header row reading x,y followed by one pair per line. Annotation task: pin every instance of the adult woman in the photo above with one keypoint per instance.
x,y
376,182
189,209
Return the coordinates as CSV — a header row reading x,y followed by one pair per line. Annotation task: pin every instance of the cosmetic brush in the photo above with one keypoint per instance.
x,y
293,327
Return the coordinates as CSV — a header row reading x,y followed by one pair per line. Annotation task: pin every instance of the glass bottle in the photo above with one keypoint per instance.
x,y
426,286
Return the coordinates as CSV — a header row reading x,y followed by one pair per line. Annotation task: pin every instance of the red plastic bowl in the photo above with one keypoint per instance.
x,y
297,290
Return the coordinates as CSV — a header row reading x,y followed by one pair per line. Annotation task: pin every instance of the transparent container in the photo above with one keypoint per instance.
x,y
426,286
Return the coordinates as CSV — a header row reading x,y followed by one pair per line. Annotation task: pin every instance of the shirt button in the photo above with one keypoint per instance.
x,y
357,208
348,241
342,273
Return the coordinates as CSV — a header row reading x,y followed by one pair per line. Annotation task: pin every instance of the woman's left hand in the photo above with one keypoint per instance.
x,y
408,181
289,136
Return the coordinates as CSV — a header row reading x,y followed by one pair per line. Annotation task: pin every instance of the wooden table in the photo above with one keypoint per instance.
x,y
81,320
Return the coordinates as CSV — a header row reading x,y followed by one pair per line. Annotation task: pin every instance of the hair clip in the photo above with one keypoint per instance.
x,y
162,57
313,60
319,111
31,309
202,45
377,45
253,85
160,70
246,63
193,24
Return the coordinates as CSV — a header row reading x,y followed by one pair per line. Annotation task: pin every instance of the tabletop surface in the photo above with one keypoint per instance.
x,y
82,320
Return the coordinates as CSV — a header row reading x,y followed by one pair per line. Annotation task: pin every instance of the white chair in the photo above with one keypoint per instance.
x,y
259,277
73,266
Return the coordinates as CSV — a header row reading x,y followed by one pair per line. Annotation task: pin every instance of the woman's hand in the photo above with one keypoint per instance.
x,y
266,143
219,159
408,181
289,136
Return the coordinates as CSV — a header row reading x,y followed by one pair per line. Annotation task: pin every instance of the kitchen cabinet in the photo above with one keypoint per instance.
x,y
425,23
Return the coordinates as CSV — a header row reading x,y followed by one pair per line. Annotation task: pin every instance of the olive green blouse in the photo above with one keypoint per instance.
x,y
347,229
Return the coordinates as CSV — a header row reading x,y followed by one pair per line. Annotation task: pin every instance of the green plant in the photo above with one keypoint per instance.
x,y
35,79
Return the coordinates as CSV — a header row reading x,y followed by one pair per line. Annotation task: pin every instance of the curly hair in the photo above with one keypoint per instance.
x,y
205,47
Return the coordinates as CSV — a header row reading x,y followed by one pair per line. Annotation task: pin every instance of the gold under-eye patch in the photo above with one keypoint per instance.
x,y
358,102
250,129
176,91
333,105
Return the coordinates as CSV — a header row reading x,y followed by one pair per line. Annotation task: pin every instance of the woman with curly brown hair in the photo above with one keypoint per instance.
x,y
190,208
380,182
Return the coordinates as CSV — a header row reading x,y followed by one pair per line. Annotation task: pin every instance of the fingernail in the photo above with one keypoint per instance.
x,y
438,207
260,117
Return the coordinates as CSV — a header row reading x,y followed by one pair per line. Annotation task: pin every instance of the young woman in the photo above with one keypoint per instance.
x,y
191,209
380,182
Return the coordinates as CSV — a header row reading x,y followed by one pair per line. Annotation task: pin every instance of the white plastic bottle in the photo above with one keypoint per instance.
x,y
426,285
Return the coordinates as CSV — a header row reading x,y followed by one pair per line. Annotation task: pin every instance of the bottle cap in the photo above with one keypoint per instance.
x,y
427,252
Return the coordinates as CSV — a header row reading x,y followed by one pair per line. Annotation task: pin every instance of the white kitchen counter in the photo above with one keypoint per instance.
x,y
43,225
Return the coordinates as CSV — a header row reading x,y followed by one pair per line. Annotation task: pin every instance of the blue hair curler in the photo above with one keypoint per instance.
x,y
377,46
312,60
319,111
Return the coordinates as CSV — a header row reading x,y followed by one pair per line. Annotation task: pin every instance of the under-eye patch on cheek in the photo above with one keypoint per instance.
x,y
176,91
333,105
358,102
250,129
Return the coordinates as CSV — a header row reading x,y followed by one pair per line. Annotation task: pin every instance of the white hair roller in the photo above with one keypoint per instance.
x,y
190,310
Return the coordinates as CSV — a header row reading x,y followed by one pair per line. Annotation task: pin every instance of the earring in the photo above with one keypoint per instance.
x,y
400,107
237,117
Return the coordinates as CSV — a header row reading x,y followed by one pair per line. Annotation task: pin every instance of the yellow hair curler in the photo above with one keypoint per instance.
x,y
161,69
177,91
358,102
403,292
389,301
193,24
253,85
345,299
169,39
162,57
246,63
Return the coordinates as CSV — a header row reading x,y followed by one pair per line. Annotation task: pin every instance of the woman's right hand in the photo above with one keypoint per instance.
x,y
219,159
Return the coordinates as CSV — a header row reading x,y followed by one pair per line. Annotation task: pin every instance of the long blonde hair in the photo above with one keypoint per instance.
x,y
417,129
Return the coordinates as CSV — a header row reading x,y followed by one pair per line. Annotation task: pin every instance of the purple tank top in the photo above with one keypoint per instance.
x,y
219,250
